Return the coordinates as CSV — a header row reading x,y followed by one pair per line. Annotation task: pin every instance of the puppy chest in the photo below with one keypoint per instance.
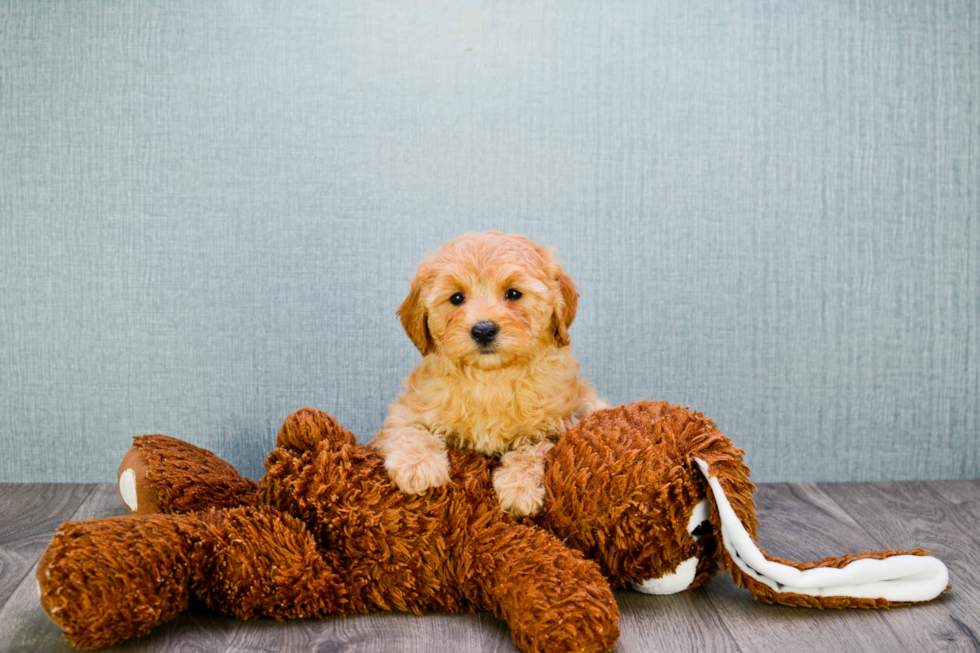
x,y
495,422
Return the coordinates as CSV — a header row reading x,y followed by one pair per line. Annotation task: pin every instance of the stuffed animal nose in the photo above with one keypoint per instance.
x,y
484,332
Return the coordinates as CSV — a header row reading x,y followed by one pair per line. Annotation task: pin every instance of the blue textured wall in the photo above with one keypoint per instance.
x,y
209,212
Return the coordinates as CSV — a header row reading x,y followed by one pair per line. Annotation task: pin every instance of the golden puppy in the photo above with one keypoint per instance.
x,y
490,313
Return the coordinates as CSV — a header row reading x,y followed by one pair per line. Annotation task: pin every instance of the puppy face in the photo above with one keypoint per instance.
x,y
489,300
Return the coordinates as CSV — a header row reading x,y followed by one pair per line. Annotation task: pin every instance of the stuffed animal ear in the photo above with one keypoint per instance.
x,y
414,316
864,580
565,308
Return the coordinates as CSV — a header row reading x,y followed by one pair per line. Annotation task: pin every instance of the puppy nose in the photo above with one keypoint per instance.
x,y
484,332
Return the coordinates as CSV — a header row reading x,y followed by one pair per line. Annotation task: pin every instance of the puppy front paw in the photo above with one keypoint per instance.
x,y
416,474
519,495
519,481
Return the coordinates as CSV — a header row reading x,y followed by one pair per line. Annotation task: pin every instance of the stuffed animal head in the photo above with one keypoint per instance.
x,y
674,502
647,520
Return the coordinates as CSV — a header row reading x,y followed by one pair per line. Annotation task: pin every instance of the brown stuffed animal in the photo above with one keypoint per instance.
x,y
649,494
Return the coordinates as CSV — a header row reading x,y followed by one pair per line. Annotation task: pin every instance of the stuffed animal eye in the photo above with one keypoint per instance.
x,y
457,299
701,529
513,294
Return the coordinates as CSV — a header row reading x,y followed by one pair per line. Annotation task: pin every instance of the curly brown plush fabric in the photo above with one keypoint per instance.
x,y
326,533
182,477
646,491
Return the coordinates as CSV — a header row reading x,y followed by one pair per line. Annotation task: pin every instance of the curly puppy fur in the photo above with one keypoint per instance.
x,y
511,395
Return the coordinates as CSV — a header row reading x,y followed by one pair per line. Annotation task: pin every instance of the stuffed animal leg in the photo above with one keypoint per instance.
x,y
161,474
552,598
106,580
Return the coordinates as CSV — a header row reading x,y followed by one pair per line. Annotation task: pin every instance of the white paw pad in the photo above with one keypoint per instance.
x,y
127,488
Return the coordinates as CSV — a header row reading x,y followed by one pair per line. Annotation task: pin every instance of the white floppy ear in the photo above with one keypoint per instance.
x,y
902,578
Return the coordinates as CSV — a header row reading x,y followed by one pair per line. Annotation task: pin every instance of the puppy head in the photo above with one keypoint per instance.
x,y
489,300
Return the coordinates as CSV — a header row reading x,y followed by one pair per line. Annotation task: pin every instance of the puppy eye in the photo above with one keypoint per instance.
x,y
457,299
513,294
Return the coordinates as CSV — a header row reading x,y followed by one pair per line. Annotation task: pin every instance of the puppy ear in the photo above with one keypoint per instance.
x,y
565,309
414,318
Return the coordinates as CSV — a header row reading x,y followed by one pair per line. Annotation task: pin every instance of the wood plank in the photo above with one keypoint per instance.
x,y
28,509
377,633
956,491
678,622
911,514
103,502
29,515
802,522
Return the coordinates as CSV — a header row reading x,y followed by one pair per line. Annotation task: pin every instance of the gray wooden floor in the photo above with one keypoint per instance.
x,y
799,521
